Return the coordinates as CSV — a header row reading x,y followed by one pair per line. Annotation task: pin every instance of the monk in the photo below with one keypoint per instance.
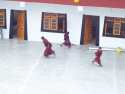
x,y
67,40
98,55
48,50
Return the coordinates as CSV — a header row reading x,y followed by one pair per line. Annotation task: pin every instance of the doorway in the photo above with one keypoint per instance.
x,y
18,24
90,30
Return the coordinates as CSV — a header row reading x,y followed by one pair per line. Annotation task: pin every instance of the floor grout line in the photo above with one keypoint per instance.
x,y
25,82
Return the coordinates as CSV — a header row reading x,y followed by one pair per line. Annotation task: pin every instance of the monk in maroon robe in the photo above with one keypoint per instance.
x,y
48,50
98,54
67,40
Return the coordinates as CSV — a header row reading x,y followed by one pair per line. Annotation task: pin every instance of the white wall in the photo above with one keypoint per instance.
x,y
74,21
109,42
8,6
34,10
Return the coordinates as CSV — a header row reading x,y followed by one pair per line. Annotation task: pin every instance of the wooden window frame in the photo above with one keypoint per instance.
x,y
116,23
3,19
52,22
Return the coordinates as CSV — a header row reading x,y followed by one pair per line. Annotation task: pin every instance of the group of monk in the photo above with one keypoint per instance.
x,y
48,46
49,51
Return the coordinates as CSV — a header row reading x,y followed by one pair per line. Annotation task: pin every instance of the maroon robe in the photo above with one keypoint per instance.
x,y
48,50
67,40
45,42
98,55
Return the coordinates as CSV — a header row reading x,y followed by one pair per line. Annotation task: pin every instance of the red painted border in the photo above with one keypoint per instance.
x,y
97,3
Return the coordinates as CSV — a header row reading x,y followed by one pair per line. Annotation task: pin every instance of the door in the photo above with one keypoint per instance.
x,y
18,16
87,29
90,30
20,24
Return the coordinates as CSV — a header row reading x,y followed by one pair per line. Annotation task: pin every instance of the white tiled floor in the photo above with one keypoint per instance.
x,y
23,70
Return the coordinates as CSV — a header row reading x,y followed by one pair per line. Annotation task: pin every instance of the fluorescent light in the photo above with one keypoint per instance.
x,y
76,1
80,8
22,4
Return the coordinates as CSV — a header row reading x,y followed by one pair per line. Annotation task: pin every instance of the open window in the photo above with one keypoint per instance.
x,y
53,22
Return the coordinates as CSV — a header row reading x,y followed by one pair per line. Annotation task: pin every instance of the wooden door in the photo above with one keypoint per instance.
x,y
20,24
87,29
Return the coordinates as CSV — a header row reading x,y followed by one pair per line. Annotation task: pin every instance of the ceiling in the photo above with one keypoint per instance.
x,y
98,3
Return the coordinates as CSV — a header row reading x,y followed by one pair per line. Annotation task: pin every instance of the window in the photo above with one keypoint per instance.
x,y
114,27
54,22
2,18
